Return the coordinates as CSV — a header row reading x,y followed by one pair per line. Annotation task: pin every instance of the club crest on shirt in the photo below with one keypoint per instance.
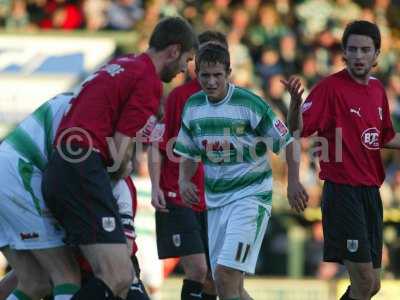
x,y
282,129
370,138
352,245
176,239
108,224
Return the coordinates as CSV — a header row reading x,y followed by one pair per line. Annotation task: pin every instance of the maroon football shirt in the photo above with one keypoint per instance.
x,y
361,113
169,169
121,96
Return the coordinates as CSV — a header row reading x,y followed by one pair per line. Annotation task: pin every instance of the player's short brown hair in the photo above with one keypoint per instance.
x,y
362,27
213,54
173,30
212,36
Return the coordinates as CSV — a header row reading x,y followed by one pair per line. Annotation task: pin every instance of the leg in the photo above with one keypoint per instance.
x,y
195,268
243,293
33,280
111,264
209,290
377,282
228,282
60,264
7,284
362,279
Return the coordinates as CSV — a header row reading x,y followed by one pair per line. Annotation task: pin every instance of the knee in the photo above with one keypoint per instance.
x,y
197,272
35,288
223,277
117,276
376,287
365,285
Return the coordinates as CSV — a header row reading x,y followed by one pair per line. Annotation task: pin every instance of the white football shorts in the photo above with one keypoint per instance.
x,y
24,218
235,234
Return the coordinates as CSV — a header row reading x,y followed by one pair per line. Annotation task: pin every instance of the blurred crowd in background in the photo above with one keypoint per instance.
x,y
268,41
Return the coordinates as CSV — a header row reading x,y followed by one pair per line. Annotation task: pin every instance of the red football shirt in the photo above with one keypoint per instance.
x,y
361,113
169,169
121,96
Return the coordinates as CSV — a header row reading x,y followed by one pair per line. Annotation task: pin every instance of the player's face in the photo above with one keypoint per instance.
x,y
360,55
214,80
176,66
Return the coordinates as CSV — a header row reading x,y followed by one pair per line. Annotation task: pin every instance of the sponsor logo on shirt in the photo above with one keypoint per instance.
x,y
306,106
352,245
282,129
29,235
370,138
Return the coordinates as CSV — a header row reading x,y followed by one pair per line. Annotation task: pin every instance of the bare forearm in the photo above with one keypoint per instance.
x,y
154,164
295,119
394,143
187,169
293,160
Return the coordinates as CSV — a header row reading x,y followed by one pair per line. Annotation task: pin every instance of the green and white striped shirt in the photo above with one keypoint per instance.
x,y
231,138
33,138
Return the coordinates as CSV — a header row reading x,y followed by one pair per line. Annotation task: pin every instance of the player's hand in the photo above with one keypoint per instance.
x,y
189,192
293,85
297,196
158,200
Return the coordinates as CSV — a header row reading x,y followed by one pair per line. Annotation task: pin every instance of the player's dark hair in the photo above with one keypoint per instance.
x,y
212,36
362,27
173,30
213,54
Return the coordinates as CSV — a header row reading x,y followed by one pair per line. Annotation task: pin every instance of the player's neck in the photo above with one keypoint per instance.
x,y
361,80
157,59
220,97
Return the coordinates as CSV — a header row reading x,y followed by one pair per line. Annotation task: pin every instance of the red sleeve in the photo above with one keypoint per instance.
x,y
387,126
317,111
172,118
142,104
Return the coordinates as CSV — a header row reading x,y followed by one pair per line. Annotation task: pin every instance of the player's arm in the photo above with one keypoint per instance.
x,y
297,195
294,117
269,126
121,150
154,164
394,143
187,189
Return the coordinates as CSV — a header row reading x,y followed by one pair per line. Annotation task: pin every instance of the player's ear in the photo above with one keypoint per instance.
x,y
228,72
173,51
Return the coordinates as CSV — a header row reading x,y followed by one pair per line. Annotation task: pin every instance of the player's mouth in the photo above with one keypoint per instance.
x,y
359,65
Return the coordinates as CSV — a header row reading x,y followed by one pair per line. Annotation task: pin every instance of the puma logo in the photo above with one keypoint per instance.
x,y
355,111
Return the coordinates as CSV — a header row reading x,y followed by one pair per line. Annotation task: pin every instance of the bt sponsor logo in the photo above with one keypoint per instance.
x,y
370,138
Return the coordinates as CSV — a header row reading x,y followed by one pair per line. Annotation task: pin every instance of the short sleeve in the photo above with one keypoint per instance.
x,y
273,129
142,104
316,111
185,145
387,126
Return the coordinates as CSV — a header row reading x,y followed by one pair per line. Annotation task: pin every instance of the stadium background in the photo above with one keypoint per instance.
x,y
49,46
